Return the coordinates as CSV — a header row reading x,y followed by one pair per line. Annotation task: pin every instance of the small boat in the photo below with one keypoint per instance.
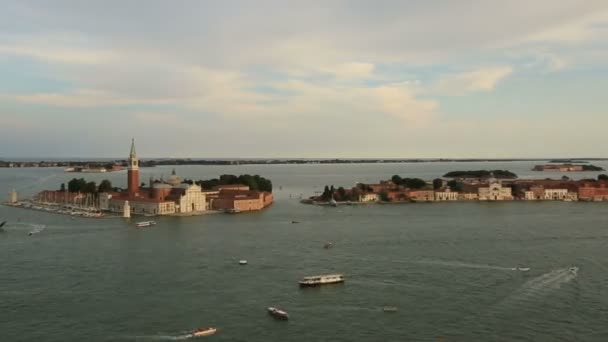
x,y
2,224
204,332
573,270
321,280
390,309
233,211
278,313
333,203
243,262
523,269
328,245
145,224
292,222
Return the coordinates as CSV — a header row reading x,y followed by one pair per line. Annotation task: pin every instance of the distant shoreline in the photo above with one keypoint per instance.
x,y
270,161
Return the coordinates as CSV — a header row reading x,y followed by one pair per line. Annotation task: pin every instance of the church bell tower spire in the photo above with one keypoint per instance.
x,y
133,171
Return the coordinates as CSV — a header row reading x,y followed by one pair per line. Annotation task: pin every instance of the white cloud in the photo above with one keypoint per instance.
x,y
352,70
483,79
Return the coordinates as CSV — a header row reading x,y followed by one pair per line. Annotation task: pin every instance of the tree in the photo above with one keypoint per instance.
x,y
384,197
62,187
326,194
342,193
90,187
455,186
602,177
396,179
437,183
105,186
76,185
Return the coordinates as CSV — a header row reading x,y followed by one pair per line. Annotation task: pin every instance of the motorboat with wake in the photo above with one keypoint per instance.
x,y
145,224
521,269
203,332
278,313
573,270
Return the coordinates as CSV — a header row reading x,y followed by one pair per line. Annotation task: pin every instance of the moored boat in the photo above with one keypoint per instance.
x,y
321,280
204,332
278,313
145,224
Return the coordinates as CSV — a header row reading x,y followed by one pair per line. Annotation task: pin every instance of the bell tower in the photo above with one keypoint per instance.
x,y
133,171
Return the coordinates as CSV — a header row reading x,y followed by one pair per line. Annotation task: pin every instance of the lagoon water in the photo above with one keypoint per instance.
x,y
447,267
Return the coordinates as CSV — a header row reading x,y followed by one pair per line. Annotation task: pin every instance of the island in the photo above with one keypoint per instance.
x,y
171,196
482,174
399,189
567,168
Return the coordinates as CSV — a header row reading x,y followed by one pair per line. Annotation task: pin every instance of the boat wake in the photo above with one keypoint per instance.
x,y
539,287
462,265
546,282
164,337
33,227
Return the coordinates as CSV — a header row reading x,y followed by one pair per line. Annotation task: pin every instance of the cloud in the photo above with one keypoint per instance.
x,y
352,70
483,79
65,48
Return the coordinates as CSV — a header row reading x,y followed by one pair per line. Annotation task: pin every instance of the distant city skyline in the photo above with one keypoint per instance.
x,y
318,79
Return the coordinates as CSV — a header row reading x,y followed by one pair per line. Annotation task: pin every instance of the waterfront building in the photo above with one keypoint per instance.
x,y
495,191
160,198
240,200
468,196
368,197
421,195
556,194
593,192
446,195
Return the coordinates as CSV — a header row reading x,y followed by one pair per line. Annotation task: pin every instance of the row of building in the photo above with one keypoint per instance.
x,y
490,190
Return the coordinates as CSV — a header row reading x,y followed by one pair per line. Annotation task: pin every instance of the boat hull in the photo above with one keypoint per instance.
x,y
304,284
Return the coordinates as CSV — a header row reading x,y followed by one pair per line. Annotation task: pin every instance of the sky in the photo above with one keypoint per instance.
x,y
306,79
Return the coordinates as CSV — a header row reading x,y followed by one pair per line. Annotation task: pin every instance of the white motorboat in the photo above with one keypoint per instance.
x,y
523,269
278,313
204,332
573,270
145,224
321,280
390,309
243,262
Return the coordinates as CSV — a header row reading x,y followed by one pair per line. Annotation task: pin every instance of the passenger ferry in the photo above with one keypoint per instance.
x,y
321,280
145,224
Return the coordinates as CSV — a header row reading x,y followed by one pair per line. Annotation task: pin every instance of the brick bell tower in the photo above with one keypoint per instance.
x,y
133,171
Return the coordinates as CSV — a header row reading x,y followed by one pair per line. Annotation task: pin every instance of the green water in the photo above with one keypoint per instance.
x,y
447,267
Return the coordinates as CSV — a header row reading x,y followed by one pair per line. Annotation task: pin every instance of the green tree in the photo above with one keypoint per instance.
x,y
76,185
396,179
384,196
602,177
62,187
342,194
90,187
105,186
455,186
437,183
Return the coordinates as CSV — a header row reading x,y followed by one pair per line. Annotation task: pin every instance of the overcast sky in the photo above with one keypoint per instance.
x,y
471,78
